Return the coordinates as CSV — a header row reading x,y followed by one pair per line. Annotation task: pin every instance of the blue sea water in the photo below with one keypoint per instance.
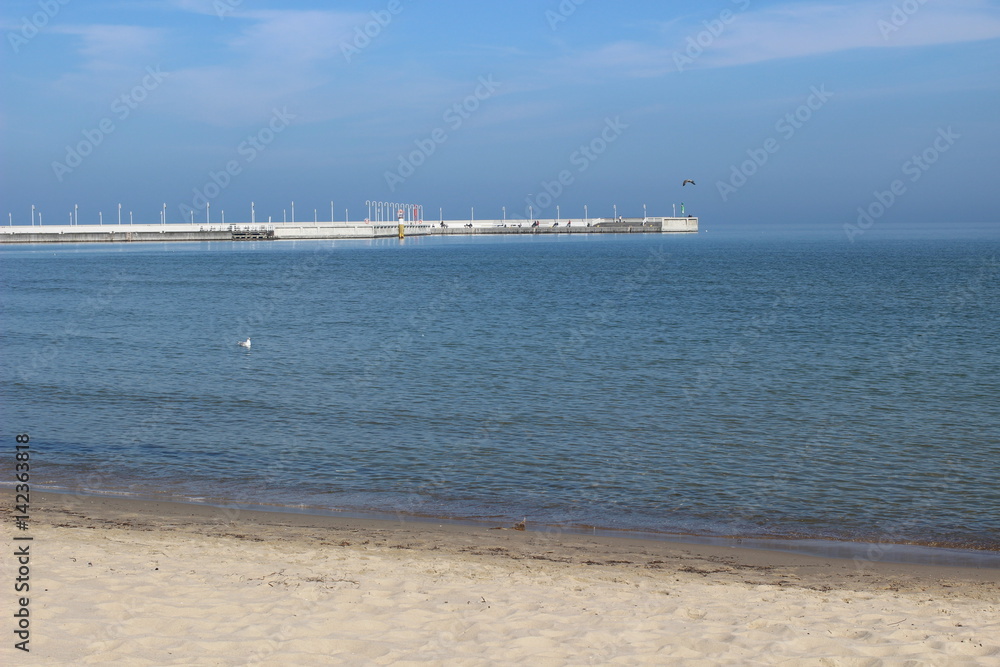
x,y
698,384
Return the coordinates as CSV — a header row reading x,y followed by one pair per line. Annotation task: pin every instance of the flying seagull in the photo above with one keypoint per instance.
x,y
244,343
688,181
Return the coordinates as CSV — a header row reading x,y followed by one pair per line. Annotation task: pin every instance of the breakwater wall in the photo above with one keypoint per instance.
x,y
287,231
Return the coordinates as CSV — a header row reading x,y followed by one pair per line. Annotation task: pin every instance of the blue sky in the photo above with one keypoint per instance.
x,y
788,113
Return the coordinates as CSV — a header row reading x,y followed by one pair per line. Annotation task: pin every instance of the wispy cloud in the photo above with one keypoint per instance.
x,y
785,31
104,48
802,30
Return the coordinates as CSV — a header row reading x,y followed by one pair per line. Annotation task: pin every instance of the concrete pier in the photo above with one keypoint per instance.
x,y
338,230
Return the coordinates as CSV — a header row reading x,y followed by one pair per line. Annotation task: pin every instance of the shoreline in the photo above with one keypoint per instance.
x,y
859,550
144,582
151,513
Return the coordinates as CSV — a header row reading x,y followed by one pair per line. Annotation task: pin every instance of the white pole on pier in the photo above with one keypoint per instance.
x,y
119,213
293,213
253,214
10,219
315,217
558,217
192,217
644,213
32,215
331,211
347,216
504,213
164,213
76,214
39,218
616,212
130,217
586,216
100,217
223,217
208,212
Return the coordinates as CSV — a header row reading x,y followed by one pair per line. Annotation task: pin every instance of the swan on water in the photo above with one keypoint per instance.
x,y
244,343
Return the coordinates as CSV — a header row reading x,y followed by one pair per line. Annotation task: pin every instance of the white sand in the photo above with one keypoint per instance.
x,y
165,584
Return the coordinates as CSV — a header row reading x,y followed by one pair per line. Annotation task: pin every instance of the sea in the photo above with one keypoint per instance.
x,y
740,386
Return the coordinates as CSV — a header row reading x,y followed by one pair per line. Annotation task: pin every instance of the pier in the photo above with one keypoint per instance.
x,y
335,230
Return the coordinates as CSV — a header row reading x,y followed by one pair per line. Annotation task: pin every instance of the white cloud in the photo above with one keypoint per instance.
x,y
104,48
269,57
801,30
786,31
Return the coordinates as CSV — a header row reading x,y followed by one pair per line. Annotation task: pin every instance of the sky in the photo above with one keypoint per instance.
x,y
828,113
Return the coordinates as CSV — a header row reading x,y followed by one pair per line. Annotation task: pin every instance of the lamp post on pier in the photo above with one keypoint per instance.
x,y
586,216
505,214
253,213
76,214
119,213
32,215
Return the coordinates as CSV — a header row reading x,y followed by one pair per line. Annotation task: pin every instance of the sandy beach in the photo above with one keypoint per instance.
x,y
129,582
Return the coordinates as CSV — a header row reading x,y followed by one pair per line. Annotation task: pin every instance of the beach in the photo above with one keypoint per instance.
x,y
124,581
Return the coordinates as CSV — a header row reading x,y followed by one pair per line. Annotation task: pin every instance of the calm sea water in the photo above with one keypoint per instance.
x,y
675,383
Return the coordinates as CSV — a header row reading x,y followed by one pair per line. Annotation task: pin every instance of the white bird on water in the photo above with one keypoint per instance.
x,y
244,343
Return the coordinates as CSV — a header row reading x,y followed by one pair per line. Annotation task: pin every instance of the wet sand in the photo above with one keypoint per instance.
x,y
152,583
